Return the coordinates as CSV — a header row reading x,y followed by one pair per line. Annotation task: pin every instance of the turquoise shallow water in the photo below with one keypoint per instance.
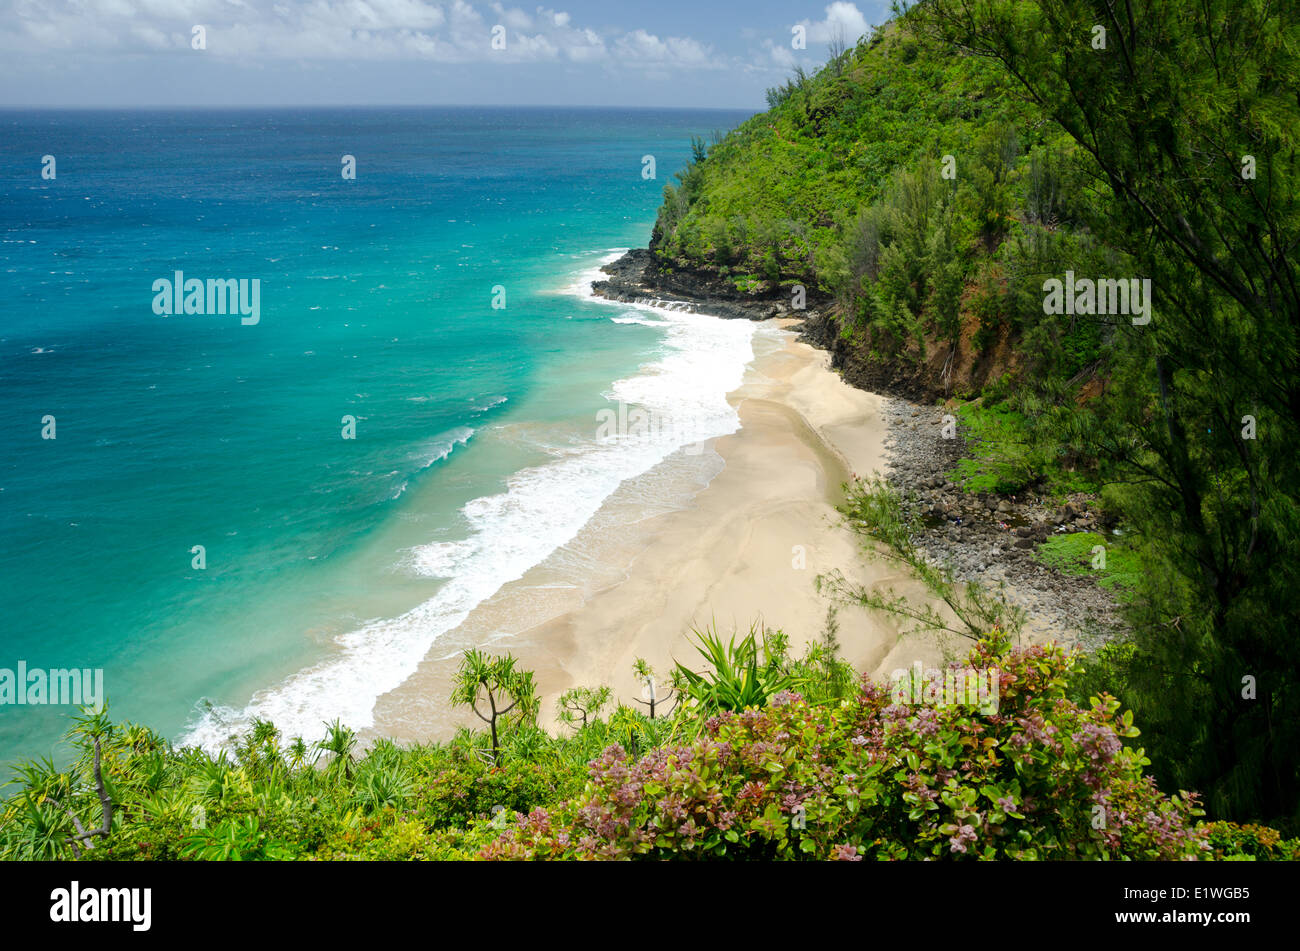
x,y
329,561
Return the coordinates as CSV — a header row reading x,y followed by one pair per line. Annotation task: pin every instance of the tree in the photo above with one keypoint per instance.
x,y
578,705
94,727
1191,123
645,673
830,676
298,753
699,151
485,679
339,741
838,46
874,509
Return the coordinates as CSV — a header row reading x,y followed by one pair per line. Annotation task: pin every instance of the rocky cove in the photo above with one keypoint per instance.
x,y
992,539
983,537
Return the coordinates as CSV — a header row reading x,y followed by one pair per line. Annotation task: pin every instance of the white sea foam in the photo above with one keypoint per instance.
x,y
442,446
646,320
434,452
699,362
582,280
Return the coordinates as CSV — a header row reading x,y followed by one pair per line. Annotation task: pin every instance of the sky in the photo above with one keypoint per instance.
x,y
132,53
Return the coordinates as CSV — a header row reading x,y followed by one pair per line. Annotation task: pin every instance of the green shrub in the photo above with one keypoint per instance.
x,y
463,792
1251,842
1043,778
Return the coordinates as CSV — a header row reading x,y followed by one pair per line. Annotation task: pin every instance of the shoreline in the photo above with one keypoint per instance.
x,y
983,537
745,549
757,528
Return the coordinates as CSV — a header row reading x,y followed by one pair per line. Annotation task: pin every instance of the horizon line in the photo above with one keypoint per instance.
x,y
448,105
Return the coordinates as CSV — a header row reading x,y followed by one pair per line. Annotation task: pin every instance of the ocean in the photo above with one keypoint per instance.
x,y
199,527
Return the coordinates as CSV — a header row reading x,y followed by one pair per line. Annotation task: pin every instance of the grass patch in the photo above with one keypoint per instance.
x,y
1006,457
1117,568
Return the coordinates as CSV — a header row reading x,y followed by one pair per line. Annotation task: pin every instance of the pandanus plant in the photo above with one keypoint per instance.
x,y
655,694
580,705
48,820
339,742
494,689
742,675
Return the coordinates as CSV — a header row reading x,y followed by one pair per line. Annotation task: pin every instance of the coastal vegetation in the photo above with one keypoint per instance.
x,y
874,510
768,757
931,187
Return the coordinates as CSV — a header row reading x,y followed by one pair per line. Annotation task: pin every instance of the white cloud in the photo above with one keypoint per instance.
x,y
513,18
781,53
587,47
842,19
640,47
152,38
453,32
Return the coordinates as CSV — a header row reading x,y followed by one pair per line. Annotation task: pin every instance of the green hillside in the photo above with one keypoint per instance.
x,y
927,185
911,186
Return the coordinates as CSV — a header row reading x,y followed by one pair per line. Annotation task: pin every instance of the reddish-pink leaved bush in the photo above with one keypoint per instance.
x,y
1043,778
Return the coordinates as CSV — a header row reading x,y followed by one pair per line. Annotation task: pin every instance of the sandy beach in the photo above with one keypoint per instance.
x,y
746,549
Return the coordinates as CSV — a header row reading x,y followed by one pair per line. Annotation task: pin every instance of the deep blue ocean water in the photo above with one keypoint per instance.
x,y
330,563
